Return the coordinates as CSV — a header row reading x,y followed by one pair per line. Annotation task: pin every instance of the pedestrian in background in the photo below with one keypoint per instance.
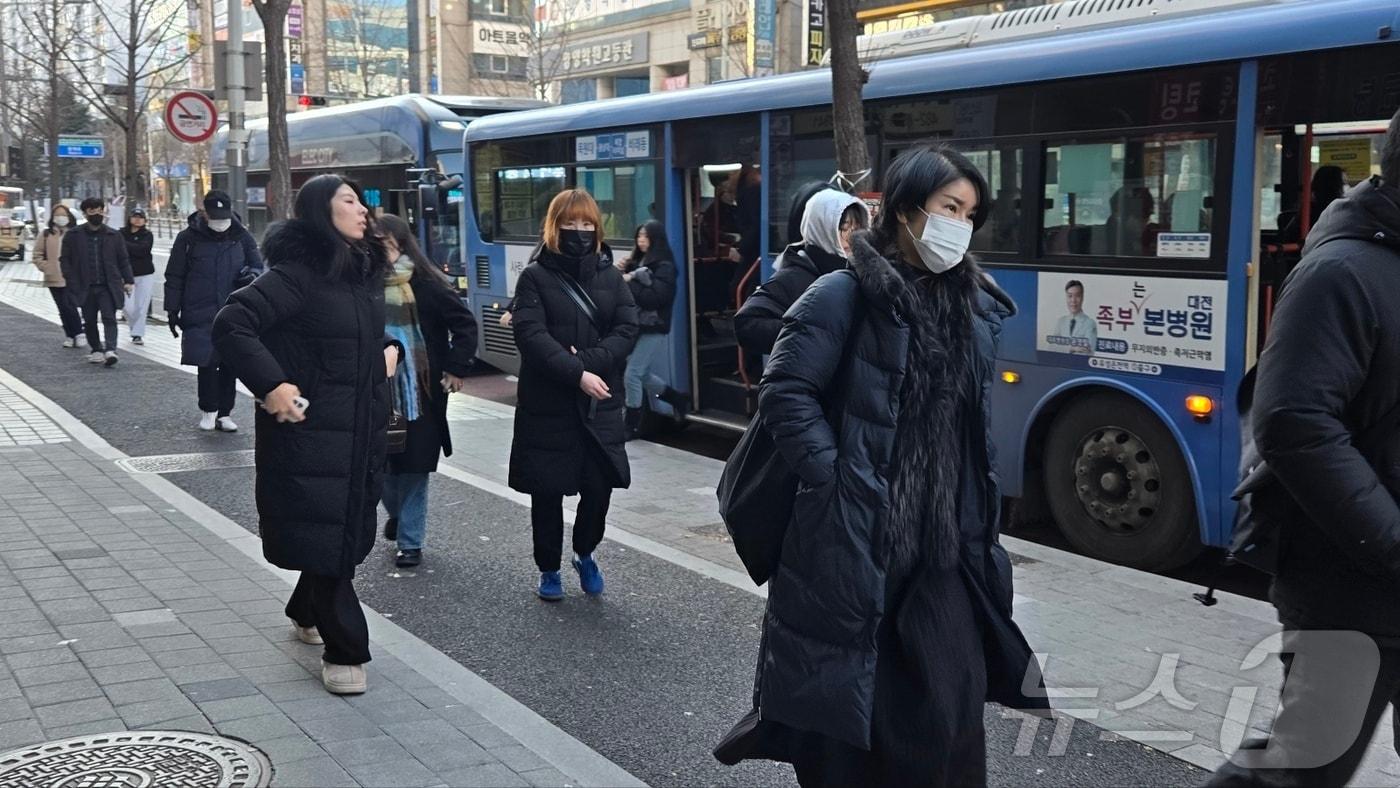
x,y
212,257
307,338
1326,406
889,617
829,218
650,273
438,334
139,243
96,267
575,324
48,249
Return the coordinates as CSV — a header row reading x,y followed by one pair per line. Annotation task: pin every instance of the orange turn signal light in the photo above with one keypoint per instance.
x,y
1200,406
1010,377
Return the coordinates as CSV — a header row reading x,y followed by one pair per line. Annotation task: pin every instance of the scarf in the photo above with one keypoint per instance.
x,y
411,385
937,389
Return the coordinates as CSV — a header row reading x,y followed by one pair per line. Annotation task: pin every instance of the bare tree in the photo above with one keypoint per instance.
x,y
273,14
46,35
848,78
545,41
365,40
141,42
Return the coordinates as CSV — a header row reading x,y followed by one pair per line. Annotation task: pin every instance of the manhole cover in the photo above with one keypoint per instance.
x,y
136,759
177,463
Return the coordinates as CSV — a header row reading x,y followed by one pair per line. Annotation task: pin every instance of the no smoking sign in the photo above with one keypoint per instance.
x,y
191,117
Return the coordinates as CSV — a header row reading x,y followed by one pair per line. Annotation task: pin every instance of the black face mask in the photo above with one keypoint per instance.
x,y
577,243
95,219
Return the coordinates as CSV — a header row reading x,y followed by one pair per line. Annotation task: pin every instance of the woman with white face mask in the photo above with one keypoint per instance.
x,y
46,253
889,616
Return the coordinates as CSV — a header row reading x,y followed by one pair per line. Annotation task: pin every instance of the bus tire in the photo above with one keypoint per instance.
x,y
1118,485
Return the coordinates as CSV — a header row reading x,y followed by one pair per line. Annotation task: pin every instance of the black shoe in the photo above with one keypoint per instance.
x,y
391,529
679,402
408,558
634,423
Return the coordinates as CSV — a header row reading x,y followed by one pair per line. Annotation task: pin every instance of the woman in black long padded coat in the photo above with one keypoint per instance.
x,y
889,617
307,338
575,323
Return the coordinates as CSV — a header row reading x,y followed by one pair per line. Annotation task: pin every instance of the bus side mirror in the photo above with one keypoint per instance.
x,y
428,200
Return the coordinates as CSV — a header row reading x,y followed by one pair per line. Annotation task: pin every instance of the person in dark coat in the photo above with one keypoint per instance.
x,y
139,243
830,218
307,339
438,333
889,616
650,273
212,257
569,431
98,274
1324,418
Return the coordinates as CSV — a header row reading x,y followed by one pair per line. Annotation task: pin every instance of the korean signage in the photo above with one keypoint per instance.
x,y
612,147
705,40
814,32
498,38
1353,155
1132,324
296,68
763,37
678,82
606,53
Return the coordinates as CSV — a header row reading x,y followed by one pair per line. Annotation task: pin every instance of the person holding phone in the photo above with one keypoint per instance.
x,y
307,338
575,323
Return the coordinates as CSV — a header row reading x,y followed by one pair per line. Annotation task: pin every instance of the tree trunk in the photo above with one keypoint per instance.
x,y
55,163
279,182
848,78
130,127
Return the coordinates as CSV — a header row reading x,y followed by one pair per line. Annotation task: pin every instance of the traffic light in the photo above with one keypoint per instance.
x,y
311,101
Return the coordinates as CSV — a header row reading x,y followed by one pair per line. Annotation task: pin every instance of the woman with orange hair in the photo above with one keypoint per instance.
x,y
575,323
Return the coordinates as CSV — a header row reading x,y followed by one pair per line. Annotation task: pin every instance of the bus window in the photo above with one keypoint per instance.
x,y
626,194
1002,168
523,196
1113,198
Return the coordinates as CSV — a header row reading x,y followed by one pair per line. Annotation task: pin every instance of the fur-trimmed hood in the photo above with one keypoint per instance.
x,y
881,283
296,241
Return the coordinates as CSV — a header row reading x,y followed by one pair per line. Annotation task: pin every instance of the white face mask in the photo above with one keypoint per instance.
x,y
220,225
60,221
944,242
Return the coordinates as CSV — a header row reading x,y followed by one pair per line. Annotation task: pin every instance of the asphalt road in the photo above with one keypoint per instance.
x,y
650,675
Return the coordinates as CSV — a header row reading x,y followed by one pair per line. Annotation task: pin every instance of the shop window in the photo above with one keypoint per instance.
x,y
500,64
631,86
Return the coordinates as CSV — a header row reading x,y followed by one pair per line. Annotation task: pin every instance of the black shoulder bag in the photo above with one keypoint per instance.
x,y
590,310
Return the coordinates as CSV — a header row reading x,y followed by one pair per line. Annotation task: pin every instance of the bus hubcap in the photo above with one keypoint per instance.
x,y
1117,480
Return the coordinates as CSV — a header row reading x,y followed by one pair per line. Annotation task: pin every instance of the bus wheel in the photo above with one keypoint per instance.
x,y
1118,486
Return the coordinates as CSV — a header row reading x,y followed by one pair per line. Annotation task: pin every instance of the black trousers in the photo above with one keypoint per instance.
x,y
99,301
547,523
330,605
217,389
67,311
1330,709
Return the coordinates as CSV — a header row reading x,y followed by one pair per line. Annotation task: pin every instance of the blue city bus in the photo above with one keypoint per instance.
x,y
1151,191
384,144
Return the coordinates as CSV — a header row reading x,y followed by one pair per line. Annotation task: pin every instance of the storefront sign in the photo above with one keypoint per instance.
x,y
814,32
613,147
763,37
1132,324
296,70
678,82
605,54
498,38
705,40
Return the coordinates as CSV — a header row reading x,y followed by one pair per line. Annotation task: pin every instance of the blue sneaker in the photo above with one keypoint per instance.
x,y
551,587
590,577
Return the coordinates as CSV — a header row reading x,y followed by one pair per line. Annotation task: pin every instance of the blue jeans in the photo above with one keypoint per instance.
x,y
406,500
646,356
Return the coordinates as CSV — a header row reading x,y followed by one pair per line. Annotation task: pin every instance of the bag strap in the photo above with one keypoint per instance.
x,y
580,298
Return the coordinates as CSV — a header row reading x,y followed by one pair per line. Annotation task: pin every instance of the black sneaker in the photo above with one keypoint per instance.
x,y
408,558
391,530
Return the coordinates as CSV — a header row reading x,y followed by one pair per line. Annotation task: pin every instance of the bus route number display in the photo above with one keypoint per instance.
x,y
1132,323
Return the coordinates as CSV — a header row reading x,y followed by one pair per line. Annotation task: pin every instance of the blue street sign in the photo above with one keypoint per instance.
x,y
81,147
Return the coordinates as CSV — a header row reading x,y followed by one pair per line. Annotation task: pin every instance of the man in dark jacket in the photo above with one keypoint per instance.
x,y
1328,390
212,257
98,273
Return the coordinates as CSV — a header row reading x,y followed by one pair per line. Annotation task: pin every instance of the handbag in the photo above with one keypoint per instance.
x,y
756,493
398,433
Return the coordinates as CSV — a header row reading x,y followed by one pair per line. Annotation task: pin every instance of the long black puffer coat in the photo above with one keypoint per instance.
x,y
558,428
830,397
204,269
758,321
1331,370
318,480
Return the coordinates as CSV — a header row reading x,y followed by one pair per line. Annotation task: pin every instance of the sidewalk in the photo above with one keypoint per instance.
x,y
124,612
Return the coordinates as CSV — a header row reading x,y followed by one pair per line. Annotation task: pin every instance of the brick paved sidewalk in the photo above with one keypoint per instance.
x,y
122,613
